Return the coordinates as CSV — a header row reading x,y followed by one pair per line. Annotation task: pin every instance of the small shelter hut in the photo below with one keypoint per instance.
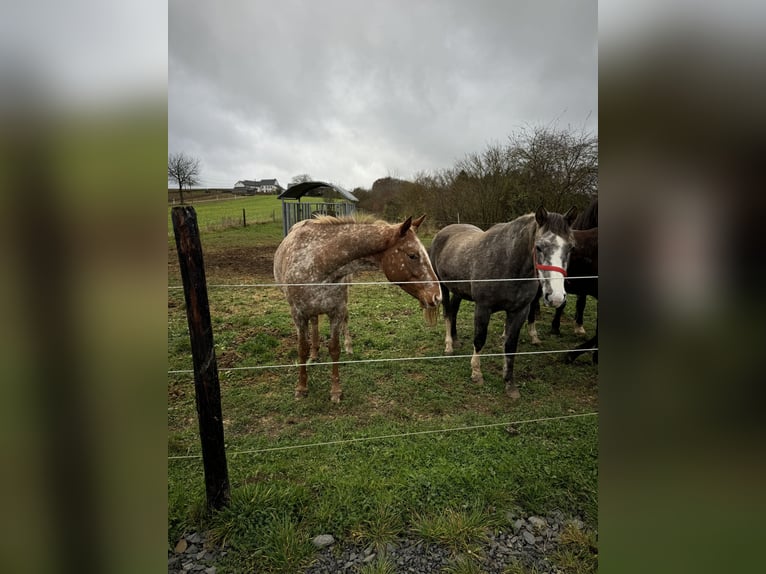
x,y
328,199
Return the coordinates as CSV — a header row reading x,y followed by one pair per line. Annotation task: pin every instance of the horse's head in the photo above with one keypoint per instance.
x,y
406,262
553,243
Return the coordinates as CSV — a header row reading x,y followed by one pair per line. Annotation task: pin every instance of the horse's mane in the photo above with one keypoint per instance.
x,y
588,218
557,224
347,219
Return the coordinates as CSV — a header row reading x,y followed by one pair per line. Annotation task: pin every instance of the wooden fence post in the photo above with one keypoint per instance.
x,y
206,387
244,221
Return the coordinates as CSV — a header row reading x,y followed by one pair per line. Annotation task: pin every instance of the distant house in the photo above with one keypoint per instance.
x,y
261,186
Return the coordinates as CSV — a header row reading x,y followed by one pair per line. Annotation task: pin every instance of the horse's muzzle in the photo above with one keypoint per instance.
x,y
554,301
433,301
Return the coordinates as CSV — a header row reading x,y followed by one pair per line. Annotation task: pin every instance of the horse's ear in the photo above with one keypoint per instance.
x,y
417,222
541,216
571,215
404,227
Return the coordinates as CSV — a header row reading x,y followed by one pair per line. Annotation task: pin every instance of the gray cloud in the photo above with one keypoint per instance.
x,y
352,91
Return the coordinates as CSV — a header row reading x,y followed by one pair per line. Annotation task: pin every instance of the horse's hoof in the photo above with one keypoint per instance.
x,y
301,394
580,330
536,341
335,398
478,381
513,393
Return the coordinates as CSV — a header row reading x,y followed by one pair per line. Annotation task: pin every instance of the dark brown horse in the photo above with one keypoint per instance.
x,y
317,255
582,280
588,219
473,264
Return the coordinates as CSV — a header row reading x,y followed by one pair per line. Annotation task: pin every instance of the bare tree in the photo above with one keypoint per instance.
x,y
544,165
300,178
184,169
557,165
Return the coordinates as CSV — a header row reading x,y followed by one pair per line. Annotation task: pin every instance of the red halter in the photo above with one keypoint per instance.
x,y
546,267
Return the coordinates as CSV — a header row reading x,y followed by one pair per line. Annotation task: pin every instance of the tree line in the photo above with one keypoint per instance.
x,y
537,166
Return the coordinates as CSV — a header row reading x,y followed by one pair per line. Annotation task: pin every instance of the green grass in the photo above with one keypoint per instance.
x,y
214,216
379,566
468,563
371,492
461,531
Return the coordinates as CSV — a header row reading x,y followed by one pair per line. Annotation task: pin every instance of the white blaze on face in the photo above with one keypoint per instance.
x,y
428,271
413,269
553,281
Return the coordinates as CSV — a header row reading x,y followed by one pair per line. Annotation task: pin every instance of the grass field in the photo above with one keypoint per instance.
x,y
375,490
219,215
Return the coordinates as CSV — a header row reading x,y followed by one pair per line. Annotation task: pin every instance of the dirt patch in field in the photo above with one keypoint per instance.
x,y
257,262
243,263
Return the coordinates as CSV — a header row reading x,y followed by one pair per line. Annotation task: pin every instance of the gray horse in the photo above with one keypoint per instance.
x,y
466,259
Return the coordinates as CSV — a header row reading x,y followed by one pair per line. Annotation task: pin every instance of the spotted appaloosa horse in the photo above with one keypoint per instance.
x,y
314,323
317,255
534,246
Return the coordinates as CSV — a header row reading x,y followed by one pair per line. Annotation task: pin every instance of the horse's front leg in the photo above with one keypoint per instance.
x,y
451,307
481,317
534,311
556,323
579,313
347,337
336,326
513,324
302,390
314,322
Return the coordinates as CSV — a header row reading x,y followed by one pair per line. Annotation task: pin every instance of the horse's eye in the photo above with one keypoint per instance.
x,y
413,256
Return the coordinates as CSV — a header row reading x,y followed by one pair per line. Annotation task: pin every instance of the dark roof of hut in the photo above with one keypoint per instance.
x,y
313,188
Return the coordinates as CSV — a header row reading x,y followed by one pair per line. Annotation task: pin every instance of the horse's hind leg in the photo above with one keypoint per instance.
x,y
346,333
347,337
481,317
579,313
337,320
314,323
512,329
588,345
591,343
302,390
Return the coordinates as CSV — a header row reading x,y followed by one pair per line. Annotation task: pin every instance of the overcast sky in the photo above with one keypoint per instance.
x,y
351,91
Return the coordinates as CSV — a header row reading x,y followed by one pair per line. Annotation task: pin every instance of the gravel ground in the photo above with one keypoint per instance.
x,y
529,541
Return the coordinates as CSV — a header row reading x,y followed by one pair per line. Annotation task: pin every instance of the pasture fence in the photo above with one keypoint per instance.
x,y
385,283
207,389
507,424
381,360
